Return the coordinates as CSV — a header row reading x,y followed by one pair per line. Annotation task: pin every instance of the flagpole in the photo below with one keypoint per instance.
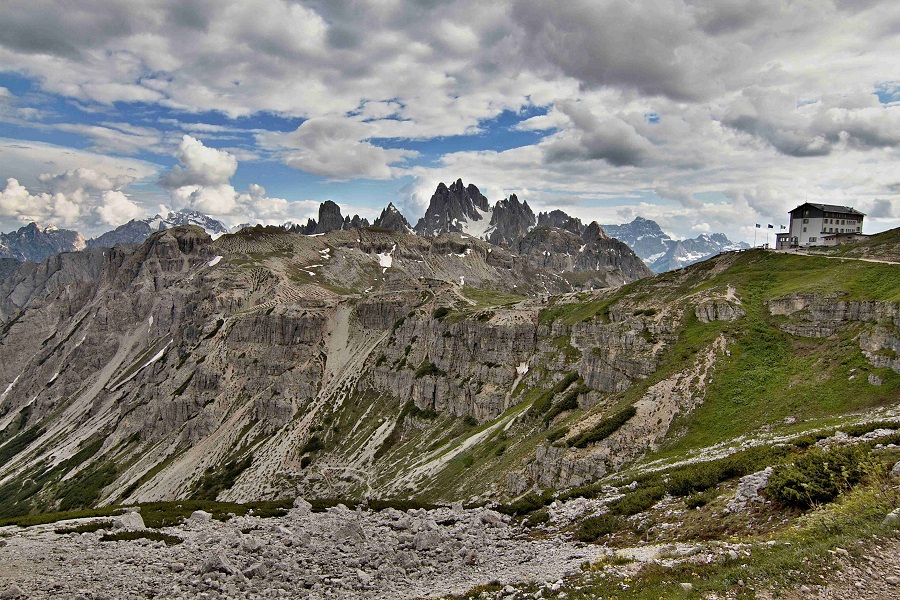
x,y
754,236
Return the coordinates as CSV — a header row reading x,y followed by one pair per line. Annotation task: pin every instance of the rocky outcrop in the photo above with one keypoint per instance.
x,y
814,315
718,310
132,232
610,261
393,219
511,221
330,218
451,209
560,220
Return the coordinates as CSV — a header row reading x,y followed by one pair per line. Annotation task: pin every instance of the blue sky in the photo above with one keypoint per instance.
x,y
705,115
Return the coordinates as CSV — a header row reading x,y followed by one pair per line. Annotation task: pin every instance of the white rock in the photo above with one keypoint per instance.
x,y
198,517
895,472
301,508
130,521
687,586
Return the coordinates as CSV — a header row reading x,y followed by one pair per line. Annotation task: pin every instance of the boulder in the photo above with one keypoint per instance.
x,y
130,521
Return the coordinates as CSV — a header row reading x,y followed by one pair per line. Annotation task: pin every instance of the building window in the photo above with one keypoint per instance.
x,y
805,221
804,230
812,239
842,221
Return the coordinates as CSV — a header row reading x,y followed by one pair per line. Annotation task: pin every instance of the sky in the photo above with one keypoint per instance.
x,y
704,115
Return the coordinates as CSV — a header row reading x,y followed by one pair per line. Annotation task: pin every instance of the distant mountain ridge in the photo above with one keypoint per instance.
x,y
457,208
661,252
35,243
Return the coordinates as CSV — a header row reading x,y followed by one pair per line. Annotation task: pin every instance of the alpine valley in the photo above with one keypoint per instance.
x,y
487,386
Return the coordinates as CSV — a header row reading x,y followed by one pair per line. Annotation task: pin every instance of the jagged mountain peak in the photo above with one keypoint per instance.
x,y
456,209
661,252
511,220
33,242
393,219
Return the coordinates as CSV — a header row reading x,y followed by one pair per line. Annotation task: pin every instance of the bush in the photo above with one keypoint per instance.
x,y
569,402
440,312
428,368
313,444
819,476
698,499
557,433
593,528
604,428
637,501
525,504
538,517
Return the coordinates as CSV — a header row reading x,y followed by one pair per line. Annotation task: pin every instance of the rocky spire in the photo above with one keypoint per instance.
x,y
393,219
451,208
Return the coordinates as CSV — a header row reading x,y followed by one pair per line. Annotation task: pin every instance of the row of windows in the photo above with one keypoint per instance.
x,y
834,222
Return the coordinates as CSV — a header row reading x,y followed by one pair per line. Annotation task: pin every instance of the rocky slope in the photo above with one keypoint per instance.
x,y
370,363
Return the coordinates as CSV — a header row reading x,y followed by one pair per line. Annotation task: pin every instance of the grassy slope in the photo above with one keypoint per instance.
x,y
771,375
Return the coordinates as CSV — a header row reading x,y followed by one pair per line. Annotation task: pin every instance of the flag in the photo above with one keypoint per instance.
x,y
757,225
770,226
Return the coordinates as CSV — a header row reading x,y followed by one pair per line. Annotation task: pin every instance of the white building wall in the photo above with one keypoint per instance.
x,y
807,233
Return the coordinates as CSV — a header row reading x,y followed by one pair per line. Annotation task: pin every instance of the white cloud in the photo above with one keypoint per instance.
x,y
335,148
199,165
760,104
116,208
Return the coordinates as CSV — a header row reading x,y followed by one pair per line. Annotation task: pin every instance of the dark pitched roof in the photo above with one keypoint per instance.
x,y
832,208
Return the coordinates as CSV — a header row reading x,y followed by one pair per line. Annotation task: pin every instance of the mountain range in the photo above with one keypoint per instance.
x,y
662,253
457,208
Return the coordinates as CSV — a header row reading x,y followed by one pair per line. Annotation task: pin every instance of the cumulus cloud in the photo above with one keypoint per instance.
x,y
335,148
202,182
81,198
199,166
747,99
593,137
116,208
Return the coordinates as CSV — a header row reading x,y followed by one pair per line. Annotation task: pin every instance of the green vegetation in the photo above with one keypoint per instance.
x,y
486,298
819,476
569,402
214,481
593,528
313,444
605,428
19,443
440,312
429,369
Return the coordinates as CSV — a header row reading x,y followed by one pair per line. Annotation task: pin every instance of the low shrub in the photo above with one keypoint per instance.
x,y
538,517
569,402
819,476
313,444
557,433
643,498
526,504
604,428
428,368
698,499
593,528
